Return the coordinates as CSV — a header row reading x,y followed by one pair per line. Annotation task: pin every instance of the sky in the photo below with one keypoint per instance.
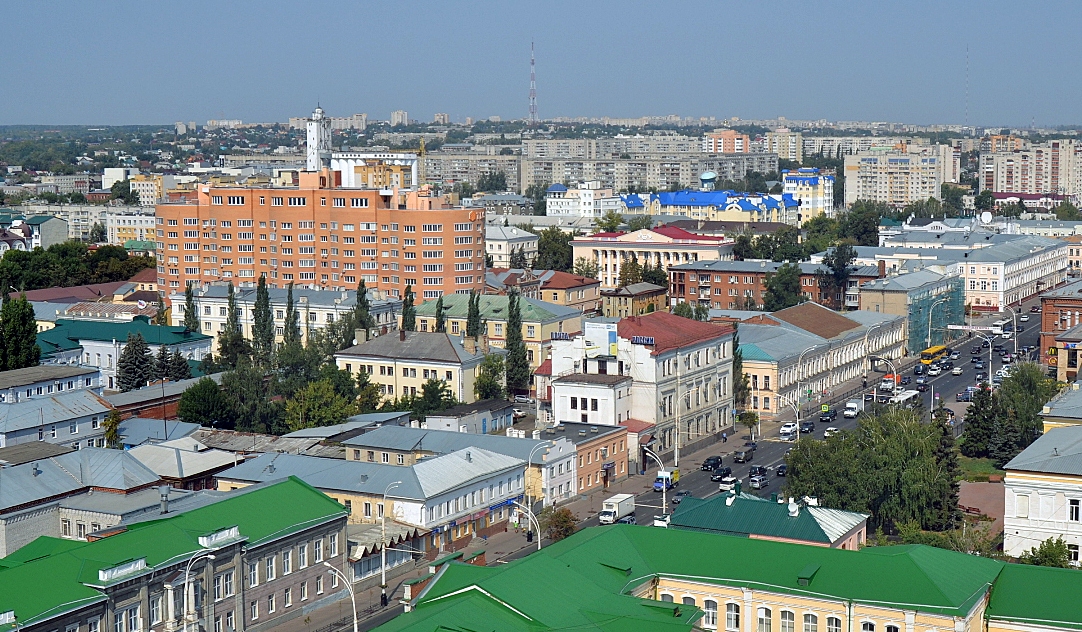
x,y
139,62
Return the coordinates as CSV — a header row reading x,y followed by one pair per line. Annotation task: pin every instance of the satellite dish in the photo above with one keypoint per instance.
x,y
142,304
986,218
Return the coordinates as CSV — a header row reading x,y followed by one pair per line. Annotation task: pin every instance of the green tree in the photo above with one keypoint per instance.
x,y
985,200
744,247
783,288
191,311
409,312
231,343
98,234
657,275
161,363
362,312
262,326
135,366
946,512
924,208
1067,212
1051,552
518,367
819,233
19,327
952,197
702,312
1023,395
441,322
121,190
178,368
684,310
473,316
250,409
861,222
368,396
435,395
835,277
489,382
537,193
296,364
492,181
204,404
630,271
557,522
315,405
781,245
554,250
741,386
112,429
640,222
609,222
517,260
749,420
981,417
586,268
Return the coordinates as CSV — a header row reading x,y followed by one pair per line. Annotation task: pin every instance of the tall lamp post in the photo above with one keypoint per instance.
x,y
526,479
383,546
530,520
201,554
1014,322
650,453
349,587
799,371
893,369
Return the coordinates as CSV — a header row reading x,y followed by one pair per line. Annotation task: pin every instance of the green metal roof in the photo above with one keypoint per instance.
x,y
139,244
67,334
746,515
71,571
1038,595
749,351
39,219
494,308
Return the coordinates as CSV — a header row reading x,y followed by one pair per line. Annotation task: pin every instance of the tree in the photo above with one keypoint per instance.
x,y
819,233
837,262
640,222
947,514
657,275
702,312
161,363
409,312
250,410
19,328
316,405
783,288
489,382
981,415
924,208
554,250
1067,212
435,395
861,222
473,316
630,271
537,193
586,268
557,522
362,312
121,190
744,247
952,197
781,245
204,404
1051,552
135,366
684,310
111,426
441,322
749,420
295,362
1022,396
98,234
517,260
518,367
985,200
492,181
231,343
609,222
368,395
191,312
262,326
178,368
741,387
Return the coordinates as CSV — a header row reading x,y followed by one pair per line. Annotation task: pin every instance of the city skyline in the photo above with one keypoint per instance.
x,y
146,63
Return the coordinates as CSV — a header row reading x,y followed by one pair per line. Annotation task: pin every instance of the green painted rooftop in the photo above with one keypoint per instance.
x,y
70,569
744,515
494,308
1038,595
67,334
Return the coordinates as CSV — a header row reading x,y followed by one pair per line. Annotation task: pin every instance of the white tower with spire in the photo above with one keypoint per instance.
x,y
319,140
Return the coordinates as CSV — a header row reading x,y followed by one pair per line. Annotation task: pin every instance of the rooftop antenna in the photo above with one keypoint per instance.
x,y
533,90
967,86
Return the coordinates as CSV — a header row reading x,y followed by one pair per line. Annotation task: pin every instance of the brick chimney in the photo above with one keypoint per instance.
x,y
484,344
469,343
882,268
402,335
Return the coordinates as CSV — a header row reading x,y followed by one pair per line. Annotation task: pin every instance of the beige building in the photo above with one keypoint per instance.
x,y
726,141
401,364
786,144
1052,167
901,174
663,246
552,286
634,300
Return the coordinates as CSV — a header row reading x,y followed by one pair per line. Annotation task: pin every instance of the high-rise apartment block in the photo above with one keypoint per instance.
x,y
900,175
726,141
399,117
1052,167
442,118
320,235
813,190
786,144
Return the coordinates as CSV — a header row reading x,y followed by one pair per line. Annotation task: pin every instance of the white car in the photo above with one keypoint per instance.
x,y
830,432
1024,318
788,428
518,413
934,370
956,370
1007,335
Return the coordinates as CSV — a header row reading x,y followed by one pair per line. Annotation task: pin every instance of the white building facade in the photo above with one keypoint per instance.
x,y
1043,494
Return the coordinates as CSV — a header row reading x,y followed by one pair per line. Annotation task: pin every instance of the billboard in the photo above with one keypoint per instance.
x,y
600,339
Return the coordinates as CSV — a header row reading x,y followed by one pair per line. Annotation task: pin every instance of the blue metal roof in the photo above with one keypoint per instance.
x,y
556,188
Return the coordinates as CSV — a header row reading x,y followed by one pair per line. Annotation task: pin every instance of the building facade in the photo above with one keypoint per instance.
x,y
1052,167
899,176
503,241
928,300
588,199
812,189
634,300
664,246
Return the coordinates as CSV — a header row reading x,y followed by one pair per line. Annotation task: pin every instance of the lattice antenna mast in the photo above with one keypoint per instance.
x,y
533,90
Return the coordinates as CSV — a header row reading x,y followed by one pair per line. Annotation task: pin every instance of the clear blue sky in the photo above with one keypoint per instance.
x,y
158,62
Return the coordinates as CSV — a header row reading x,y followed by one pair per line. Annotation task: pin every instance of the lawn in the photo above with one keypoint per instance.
x,y
977,470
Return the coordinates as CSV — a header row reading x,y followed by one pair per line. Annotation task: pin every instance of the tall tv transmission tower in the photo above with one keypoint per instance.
x,y
533,91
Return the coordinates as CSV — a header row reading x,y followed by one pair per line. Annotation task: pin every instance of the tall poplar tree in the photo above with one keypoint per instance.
x,y
473,316
18,333
262,326
441,322
191,312
518,367
409,312
231,343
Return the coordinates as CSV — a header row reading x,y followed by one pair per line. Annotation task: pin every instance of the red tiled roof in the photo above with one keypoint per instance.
x,y
146,275
679,233
761,319
670,331
545,368
636,425
616,234
565,280
74,294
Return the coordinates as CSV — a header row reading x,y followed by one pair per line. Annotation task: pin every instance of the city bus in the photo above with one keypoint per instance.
x,y
907,399
1000,326
931,354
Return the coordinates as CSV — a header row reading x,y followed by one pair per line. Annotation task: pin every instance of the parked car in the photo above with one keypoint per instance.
x,y
757,470
522,399
518,413
828,415
956,370
711,463
721,473
680,495
807,426
758,482
781,470
830,432
964,396
981,376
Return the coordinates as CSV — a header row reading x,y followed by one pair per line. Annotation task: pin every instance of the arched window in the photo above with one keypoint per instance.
x,y
710,607
788,621
867,626
811,623
732,617
892,628
666,598
689,601
763,616
834,624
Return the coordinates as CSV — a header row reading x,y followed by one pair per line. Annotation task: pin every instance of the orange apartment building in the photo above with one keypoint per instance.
x,y
319,235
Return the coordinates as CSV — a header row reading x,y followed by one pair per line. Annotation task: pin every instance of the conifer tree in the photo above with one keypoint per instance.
x,y
262,326
178,367
191,312
231,343
473,316
409,312
161,363
441,323
135,367
518,367
18,333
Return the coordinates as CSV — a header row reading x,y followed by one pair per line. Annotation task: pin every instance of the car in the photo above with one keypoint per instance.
x,y
757,470
758,482
721,473
997,380
923,388
946,365
956,370
807,427
869,397
964,396
883,399
997,349
1007,335
1024,318
954,355
918,369
1020,330
828,415
1036,309
518,413
906,380
981,376
788,427
751,445
922,380
978,366
727,483
974,350
744,455
629,519
934,371
522,399
680,495
781,470
711,463
830,432
984,345
974,359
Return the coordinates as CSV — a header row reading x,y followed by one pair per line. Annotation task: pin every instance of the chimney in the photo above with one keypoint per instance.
x,y
163,491
470,345
729,500
402,335
882,268
360,335
34,470
484,344
469,457
736,488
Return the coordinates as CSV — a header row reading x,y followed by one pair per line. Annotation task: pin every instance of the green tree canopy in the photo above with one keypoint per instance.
x,y
191,310
262,326
609,222
1051,552
316,405
783,288
204,404
135,366
18,334
630,271
554,250
409,312
640,222
518,366
861,222
586,267
985,200
489,382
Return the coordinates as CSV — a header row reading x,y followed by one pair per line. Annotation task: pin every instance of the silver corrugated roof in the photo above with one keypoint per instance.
x,y
69,473
176,462
444,473
57,408
1058,451
404,438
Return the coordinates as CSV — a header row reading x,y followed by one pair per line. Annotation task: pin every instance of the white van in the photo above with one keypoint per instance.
x,y
852,409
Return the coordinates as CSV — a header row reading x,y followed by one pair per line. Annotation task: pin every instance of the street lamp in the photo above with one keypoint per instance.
x,y
202,553
349,587
383,546
650,453
531,520
1014,322
928,342
526,474
799,366
893,369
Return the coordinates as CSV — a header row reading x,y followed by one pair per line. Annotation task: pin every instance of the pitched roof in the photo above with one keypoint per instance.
x,y
31,451
494,308
550,279
634,289
751,515
418,345
74,294
670,331
68,473
405,438
1037,596
41,372
176,462
1058,451
57,408
67,333
814,318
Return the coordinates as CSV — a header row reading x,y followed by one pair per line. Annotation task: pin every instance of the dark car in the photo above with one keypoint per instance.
x,y
964,396
807,426
918,369
721,473
975,350
980,377
781,470
984,345
680,495
757,470
743,456
975,359
997,348
922,388
1034,310
828,415
1021,329
751,445
946,365
711,463
906,380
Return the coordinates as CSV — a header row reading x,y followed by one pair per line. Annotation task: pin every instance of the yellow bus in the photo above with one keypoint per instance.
x,y
931,354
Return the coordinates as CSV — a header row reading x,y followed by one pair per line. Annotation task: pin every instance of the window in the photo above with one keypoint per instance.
x,y
304,591
732,617
1021,505
270,603
287,561
255,610
155,609
302,556
1073,510
317,550
763,616
253,575
710,619
133,619
788,621
229,623
1072,554
811,623
319,584
287,598
334,543
867,626
270,568
834,624
667,598
890,628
